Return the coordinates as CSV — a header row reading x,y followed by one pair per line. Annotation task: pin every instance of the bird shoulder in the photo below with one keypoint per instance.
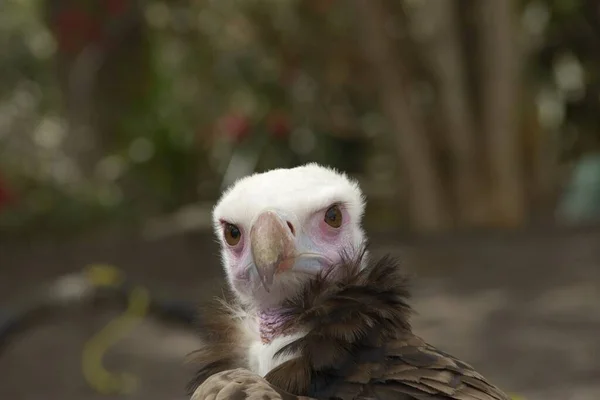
x,y
359,344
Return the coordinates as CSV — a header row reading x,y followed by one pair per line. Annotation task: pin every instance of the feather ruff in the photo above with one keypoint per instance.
x,y
358,344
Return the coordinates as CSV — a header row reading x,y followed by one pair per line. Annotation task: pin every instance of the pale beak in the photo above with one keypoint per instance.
x,y
272,245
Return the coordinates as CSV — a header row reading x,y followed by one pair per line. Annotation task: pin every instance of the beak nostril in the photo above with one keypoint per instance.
x,y
289,224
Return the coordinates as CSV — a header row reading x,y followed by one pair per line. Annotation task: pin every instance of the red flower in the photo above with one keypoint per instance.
x,y
322,6
235,126
74,29
278,124
6,196
116,8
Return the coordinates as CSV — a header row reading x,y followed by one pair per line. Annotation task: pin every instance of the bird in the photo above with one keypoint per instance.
x,y
308,312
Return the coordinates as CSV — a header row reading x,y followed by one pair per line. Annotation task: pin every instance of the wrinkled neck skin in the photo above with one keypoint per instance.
x,y
270,324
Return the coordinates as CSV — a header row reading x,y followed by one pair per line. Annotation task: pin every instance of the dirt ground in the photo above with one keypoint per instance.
x,y
523,308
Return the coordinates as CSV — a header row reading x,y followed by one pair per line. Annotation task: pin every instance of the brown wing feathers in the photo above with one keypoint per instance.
x,y
240,384
430,371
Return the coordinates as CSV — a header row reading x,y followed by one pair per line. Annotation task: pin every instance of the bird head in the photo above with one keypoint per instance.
x,y
279,228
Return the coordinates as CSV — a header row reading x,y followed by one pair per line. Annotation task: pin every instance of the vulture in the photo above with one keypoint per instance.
x,y
309,313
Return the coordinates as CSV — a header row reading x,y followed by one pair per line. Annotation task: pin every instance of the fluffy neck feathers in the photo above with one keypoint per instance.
x,y
358,307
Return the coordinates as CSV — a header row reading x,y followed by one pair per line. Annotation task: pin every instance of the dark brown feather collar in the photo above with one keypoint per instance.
x,y
344,311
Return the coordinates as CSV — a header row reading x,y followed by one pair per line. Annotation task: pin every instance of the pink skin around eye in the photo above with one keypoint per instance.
x,y
330,241
328,232
238,256
239,246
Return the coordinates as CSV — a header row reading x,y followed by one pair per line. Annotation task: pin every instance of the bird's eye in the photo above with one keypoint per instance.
x,y
333,216
232,234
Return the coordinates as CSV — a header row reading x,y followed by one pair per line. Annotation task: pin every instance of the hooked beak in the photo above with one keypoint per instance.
x,y
272,245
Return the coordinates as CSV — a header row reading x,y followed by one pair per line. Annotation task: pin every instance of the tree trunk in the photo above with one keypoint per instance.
x,y
499,86
427,206
446,54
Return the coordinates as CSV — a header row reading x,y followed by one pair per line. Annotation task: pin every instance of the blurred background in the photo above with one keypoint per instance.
x,y
473,127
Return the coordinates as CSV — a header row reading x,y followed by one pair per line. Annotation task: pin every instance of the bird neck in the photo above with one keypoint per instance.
x,y
272,323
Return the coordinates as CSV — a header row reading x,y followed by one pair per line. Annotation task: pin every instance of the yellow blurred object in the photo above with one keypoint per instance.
x,y
104,275
94,372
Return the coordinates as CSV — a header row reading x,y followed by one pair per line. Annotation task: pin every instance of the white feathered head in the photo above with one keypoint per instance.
x,y
278,228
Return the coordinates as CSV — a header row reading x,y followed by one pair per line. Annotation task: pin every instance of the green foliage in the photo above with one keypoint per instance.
x,y
280,81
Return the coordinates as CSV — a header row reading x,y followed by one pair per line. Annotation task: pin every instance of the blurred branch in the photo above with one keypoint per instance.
x,y
426,194
500,80
83,144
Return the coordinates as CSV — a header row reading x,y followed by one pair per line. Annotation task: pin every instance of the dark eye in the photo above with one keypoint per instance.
x,y
333,217
232,234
